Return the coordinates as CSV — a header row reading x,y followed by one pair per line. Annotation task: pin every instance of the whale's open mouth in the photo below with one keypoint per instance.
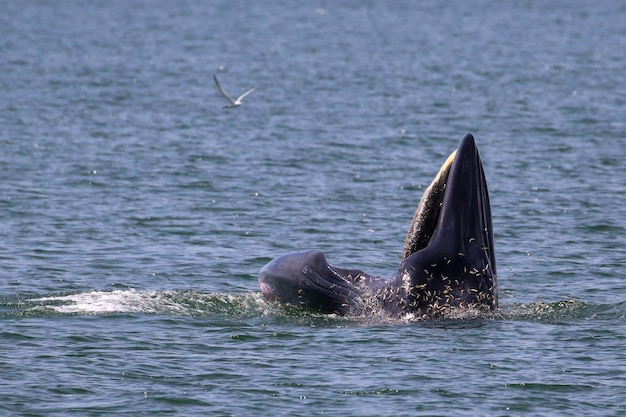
x,y
455,205
448,257
427,214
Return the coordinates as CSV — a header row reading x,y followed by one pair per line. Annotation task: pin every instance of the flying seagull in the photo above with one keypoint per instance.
x,y
231,103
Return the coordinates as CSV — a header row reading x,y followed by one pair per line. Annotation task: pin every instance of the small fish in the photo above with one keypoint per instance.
x,y
231,103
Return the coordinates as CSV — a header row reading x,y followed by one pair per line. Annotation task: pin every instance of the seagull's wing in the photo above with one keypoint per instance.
x,y
222,91
246,93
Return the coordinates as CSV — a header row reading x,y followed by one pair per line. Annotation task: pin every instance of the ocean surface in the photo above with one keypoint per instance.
x,y
135,212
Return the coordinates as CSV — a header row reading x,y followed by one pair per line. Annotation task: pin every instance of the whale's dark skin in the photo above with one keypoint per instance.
x,y
448,260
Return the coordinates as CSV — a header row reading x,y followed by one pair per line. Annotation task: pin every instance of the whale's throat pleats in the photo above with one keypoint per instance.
x,y
427,213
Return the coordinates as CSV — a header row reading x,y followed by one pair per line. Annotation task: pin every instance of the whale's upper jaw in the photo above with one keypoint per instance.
x,y
458,265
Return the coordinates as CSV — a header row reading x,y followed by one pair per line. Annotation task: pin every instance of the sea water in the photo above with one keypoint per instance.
x,y
135,212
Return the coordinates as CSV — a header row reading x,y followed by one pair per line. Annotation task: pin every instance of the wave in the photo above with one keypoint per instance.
x,y
171,303
252,304
561,310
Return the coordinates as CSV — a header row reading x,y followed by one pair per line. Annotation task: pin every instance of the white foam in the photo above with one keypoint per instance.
x,y
102,302
184,303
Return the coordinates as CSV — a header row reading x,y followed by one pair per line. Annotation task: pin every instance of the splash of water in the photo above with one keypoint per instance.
x,y
176,303
252,304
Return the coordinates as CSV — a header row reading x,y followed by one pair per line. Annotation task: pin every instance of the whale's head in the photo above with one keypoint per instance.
x,y
448,258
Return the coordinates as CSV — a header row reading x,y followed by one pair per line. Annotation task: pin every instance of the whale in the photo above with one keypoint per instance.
x,y
448,260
